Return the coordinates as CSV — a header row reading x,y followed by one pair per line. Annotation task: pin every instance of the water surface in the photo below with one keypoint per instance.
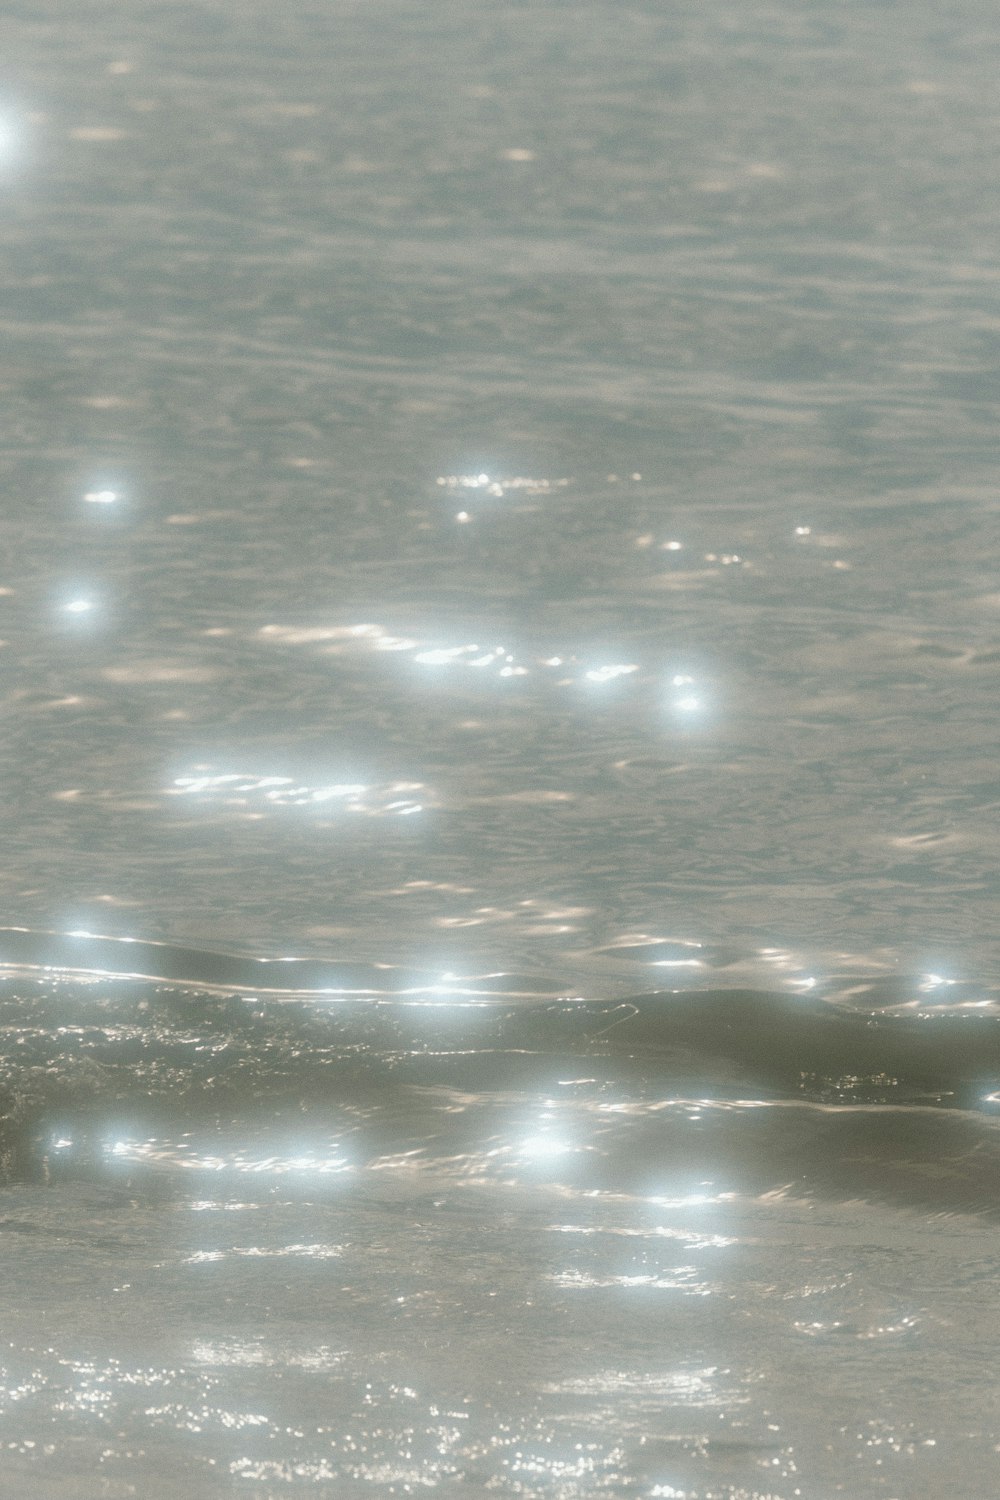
x,y
500,524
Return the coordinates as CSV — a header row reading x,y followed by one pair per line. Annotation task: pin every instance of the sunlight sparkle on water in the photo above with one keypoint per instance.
x,y
687,702
497,488
606,674
490,660
543,1145
12,141
185,1155
935,981
240,790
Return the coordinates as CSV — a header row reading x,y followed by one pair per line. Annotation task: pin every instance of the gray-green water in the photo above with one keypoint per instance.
x,y
498,503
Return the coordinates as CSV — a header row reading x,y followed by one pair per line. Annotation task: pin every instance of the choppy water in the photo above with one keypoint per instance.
x,y
499,621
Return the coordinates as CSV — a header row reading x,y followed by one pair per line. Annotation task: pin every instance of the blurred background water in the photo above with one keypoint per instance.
x,y
507,494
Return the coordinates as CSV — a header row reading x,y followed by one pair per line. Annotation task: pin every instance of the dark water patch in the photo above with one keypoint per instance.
x,y
143,1082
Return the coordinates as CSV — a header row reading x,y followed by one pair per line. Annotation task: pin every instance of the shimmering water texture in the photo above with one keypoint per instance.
x,y
499,638
875,1095
379,1231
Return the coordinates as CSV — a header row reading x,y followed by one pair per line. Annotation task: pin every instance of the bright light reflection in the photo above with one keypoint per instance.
x,y
274,1469
935,981
240,790
78,606
544,1146
497,488
258,1252
606,674
12,137
494,659
687,702
241,1354
446,654
691,1200
677,1280
102,497
695,1388
693,1238
216,1205
334,638
181,1154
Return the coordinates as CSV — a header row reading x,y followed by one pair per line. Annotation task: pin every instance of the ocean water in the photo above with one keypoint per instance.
x,y
499,647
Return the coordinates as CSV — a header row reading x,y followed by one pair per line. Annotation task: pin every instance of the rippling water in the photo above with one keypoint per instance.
x,y
379,1230
499,609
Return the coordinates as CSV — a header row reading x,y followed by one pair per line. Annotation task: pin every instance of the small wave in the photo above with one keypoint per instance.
x,y
147,1058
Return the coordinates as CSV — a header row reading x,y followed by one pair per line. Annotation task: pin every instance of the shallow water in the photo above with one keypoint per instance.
x,y
500,626
378,1233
